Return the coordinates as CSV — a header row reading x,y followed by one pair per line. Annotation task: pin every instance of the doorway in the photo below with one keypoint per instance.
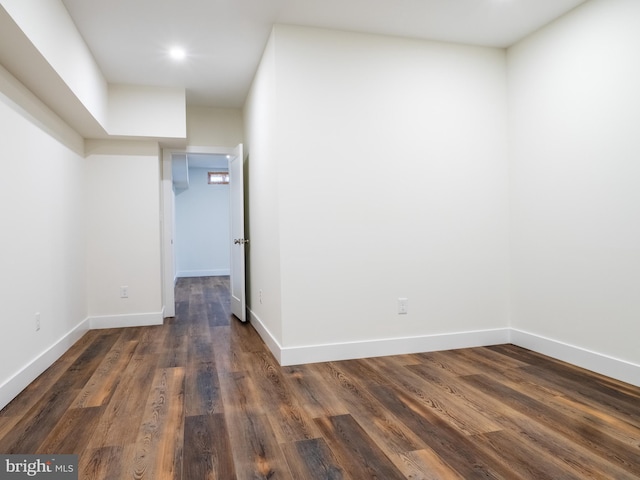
x,y
202,241
173,181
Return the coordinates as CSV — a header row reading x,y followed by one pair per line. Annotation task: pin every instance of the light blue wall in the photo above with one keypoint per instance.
x,y
202,239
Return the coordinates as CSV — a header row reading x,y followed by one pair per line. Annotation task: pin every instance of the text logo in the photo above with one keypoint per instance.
x,y
50,467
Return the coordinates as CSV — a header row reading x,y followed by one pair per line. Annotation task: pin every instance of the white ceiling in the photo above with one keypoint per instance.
x,y
225,38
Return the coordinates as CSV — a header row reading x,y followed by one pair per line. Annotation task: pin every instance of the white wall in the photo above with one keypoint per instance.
x,y
123,234
140,111
202,240
575,175
214,127
392,182
43,238
262,222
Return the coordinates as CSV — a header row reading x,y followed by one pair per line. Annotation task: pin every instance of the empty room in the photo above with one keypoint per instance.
x,y
319,240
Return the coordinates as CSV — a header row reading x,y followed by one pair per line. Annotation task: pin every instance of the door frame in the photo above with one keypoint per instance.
x,y
167,219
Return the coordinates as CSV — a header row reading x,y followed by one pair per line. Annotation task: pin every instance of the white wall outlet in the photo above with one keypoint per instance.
x,y
37,321
403,306
124,291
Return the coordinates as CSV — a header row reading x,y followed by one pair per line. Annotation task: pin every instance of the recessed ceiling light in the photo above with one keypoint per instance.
x,y
177,53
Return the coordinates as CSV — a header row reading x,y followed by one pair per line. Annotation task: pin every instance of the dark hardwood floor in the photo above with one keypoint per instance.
x,y
202,398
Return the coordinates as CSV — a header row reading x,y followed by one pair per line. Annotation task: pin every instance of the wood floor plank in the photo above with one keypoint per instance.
x,y
288,419
150,339
485,359
314,391
239,394
253,442
571,375
592,418
202,390
7,424
538,437
524,462
103,463
597,420
622,405
456,411
227,354
312,459
41,385
356,452
160,439
196,324
448,363
216,314
29,433
72,433
380,423
245,339
609,448
197,308
207,449
85,365
176,347
182,309
425,465
457,449
102,384
183,290
123,414
200,347
256,452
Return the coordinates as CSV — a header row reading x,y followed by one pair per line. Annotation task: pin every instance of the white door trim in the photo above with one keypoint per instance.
x,y
168,219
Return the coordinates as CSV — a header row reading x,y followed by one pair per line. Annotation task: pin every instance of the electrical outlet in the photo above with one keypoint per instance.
x,y
260,296
403,306
124,291
37,321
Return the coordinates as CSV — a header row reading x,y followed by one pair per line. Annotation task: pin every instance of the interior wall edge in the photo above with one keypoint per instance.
x,y
596,362
267,337
21,379
20,99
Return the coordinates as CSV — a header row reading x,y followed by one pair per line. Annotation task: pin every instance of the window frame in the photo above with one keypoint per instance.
x,y
223,175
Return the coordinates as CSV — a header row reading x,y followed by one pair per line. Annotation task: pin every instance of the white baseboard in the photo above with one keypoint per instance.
x,y
220,272
596,362
18,382
378,347
392,346
127,320
266,335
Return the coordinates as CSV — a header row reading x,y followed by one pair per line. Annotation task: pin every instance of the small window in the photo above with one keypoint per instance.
x,y
218,178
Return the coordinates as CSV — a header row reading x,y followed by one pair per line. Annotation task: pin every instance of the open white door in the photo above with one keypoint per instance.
x,y
236,184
